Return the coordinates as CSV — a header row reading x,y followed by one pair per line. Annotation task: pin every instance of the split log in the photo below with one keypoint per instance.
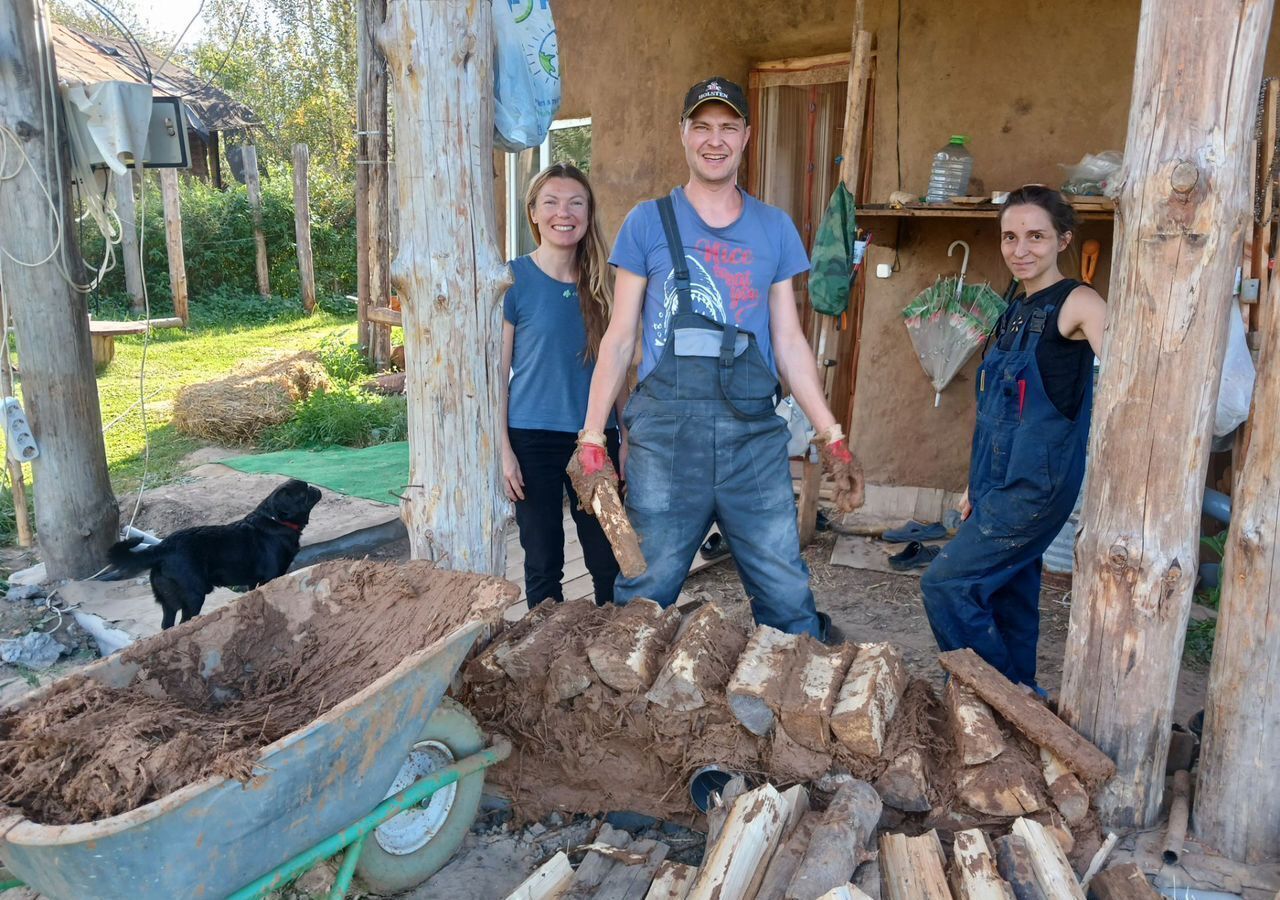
x,y
811,691
750,836
1053,873
786,860
904,784
249,153
626,653
485,668
973,727
837,844
1013,860
672,882
701,661
755,690
1184,209
789,760
913,868
1068,795
612,515
1053,823
570,675
1123,882
845,892
796,801
996,789
1029,716
1099,860
632,882
302,226
869,698
531,656
718,810
551,878
1179,809
595,867
974,875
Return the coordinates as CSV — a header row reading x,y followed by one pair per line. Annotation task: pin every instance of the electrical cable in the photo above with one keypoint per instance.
x,y
178,42
235,36
132,41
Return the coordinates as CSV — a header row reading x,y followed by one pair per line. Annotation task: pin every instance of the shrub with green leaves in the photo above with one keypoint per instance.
x,y
347,416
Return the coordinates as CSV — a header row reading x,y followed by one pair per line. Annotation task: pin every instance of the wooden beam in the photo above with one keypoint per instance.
x,y
1183,212
869,698
76,513
807,507
1053,872
385,315
838,842
1029,716
373,191
913,868
302,226
261,267
450,276
126,208
974,875
1236,811
173,241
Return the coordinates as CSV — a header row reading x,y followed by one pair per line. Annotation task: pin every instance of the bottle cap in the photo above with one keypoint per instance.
x,y
959,139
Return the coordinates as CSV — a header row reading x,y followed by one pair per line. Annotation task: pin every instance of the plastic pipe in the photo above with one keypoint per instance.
x,y
707,781
1217,505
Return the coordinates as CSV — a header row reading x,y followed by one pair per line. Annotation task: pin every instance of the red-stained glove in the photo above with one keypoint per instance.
x,y
590,468
842,467
592,458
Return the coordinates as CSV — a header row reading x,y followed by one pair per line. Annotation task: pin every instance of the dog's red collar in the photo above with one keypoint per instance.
x,y
294,525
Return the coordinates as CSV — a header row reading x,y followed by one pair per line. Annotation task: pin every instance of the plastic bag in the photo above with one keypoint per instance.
x,y
1094,175
1238,374
526,73
799,431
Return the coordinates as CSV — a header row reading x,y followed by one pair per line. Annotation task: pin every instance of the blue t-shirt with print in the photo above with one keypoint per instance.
x,y
550,372
730,268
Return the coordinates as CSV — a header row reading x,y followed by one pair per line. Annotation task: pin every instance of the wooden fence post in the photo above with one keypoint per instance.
x,y
173,242
126,209
250,157
1237,799
373,196
302,226
1182,216
76,512
450,276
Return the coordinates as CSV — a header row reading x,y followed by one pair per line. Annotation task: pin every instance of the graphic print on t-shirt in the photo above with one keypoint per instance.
x,y
730,266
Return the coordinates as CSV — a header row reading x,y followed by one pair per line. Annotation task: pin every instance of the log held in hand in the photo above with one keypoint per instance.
x,y
608,508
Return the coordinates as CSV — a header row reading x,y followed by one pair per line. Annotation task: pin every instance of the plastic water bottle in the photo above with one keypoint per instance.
x,y
952,166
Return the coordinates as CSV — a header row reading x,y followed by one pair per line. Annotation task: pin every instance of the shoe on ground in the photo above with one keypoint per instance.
x,y
716,546
914,556
915,531
829,632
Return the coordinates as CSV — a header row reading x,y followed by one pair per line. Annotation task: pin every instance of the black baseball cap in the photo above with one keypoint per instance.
x,y
721,90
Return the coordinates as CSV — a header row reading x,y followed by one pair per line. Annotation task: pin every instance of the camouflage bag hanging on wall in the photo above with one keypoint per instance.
x,y
833,258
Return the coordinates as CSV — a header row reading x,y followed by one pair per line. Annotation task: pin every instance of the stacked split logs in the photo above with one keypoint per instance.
x,y
615,707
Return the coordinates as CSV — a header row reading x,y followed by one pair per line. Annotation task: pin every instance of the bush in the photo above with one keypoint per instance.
x,y
217,240
349,417
344,362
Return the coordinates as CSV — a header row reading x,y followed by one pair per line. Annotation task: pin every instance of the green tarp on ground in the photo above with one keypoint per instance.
x,y
377,473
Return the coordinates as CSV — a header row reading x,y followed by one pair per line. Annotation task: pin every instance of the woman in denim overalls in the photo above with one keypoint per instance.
x,y
1034,391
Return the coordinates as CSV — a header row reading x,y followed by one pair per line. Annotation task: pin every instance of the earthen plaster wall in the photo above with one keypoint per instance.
x,y
1033,84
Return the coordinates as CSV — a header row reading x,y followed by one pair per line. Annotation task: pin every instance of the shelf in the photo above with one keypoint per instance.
x,y
957,211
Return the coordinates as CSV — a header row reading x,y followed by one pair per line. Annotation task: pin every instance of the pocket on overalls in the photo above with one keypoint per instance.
x,y
1022,506
752,378
651,458
769,462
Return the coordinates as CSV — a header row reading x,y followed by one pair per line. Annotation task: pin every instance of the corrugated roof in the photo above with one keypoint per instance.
x,y
84,58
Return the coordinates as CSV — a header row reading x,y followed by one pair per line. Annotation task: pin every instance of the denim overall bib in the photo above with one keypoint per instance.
x,y
705,445
1028,460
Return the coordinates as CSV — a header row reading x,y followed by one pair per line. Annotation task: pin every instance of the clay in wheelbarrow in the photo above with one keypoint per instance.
x,y
228,717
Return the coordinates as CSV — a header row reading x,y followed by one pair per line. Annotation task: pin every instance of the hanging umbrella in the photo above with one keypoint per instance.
x,y
947,321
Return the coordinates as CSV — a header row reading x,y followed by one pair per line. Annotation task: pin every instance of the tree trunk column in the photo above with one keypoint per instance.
x,y
450,277
1237,807
1182,218
76,512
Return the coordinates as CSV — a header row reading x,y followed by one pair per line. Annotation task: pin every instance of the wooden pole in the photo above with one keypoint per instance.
x,y
1182,216
126,209
450,276
1237,798
250,158
302,227
373,194
173,242
76,512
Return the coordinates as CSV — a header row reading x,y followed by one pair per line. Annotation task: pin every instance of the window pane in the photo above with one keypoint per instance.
x,y
572,145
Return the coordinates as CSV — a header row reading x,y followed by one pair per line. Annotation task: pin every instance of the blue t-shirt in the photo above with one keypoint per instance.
x,y
730,268
550,373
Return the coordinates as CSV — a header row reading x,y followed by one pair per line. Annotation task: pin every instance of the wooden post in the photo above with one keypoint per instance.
x,y
76,512
126,209
302,226
450,276
250,157
1237,798
173,242
373,195
1182,216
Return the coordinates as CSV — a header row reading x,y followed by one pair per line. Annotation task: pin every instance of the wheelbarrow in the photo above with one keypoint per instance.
x,y
392,775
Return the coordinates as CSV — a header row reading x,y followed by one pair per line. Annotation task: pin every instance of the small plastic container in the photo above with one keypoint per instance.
x,y
952,168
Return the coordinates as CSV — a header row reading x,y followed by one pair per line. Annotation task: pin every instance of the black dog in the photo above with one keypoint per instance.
x,y
190,563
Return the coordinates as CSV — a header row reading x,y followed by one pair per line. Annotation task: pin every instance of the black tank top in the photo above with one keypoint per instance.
x,y
1066,366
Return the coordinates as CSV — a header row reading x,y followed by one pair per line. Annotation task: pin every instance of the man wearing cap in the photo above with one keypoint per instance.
x,y
718,327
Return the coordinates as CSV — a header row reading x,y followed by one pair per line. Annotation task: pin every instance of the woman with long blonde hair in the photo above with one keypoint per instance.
x,y
554,316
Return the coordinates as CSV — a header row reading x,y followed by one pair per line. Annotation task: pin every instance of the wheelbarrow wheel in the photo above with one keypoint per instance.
x,y
408,849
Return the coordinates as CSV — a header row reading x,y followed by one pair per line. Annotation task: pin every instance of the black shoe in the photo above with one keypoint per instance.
x,y
829,632
714,547
914,556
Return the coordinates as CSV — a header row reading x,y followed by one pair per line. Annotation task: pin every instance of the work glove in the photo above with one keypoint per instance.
x,y
842,467
590,469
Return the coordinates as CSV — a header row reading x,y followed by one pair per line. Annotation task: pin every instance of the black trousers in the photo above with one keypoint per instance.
x,y
543,456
